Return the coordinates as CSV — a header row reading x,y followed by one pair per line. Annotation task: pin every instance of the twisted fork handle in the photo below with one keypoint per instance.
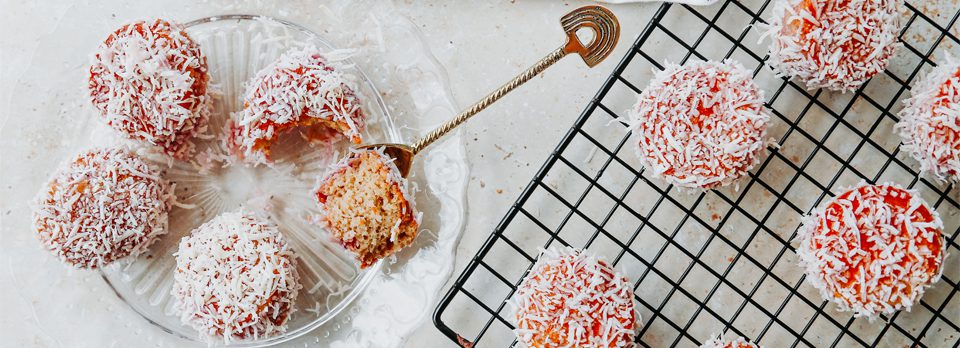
x,y
598,19
535,70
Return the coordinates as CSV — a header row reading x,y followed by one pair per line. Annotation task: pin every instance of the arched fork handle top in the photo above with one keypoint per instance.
x,y
606,30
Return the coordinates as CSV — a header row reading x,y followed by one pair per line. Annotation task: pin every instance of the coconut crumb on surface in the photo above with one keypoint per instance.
x,y
737,342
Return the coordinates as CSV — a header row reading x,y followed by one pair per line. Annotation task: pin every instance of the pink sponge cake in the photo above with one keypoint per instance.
x,y
930,123
701,125
872,249
103,205
833,44
366,205
149,81
236,278
573,299
300,90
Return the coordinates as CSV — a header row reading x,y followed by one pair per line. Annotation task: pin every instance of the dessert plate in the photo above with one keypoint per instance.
x,y
404,91
214,182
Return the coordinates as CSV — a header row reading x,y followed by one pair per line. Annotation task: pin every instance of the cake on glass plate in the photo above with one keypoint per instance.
x,y
148,79
102,205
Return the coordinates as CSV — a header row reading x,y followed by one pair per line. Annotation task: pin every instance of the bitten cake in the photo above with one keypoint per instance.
x,y
833,44
930,123
236,278
572,299
873,249
701,125
149,80
367,206
103,205
300,90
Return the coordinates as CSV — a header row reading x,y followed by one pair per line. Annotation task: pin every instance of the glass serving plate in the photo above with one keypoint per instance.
x,y
237,47
404,93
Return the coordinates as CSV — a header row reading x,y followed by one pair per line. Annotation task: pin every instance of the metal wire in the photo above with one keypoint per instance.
x,y
797,318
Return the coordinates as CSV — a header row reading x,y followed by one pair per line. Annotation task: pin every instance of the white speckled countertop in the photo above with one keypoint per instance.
x,y
481,43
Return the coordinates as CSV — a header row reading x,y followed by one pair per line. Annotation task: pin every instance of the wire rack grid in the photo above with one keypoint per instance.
x,y
721,261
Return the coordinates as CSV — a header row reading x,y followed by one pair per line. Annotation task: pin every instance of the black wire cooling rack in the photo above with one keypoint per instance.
x,y
721,261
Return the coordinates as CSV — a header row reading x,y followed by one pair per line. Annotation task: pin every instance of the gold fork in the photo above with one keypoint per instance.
x,y
606,32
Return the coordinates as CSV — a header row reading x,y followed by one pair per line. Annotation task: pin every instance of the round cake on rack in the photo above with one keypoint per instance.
x,y
701,125
833,44
572,299
236,278
367,206
873,249
149,80
930,123
300,90
719,342
103,205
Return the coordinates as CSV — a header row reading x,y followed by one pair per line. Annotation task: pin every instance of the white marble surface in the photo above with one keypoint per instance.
x,y
481,43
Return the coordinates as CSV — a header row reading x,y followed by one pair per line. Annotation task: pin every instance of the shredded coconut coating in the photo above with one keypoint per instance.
x,y
718,342
833,44
236,278
930,123
573,299
101,206
873,249
701,125
367,206
149,80
301,89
